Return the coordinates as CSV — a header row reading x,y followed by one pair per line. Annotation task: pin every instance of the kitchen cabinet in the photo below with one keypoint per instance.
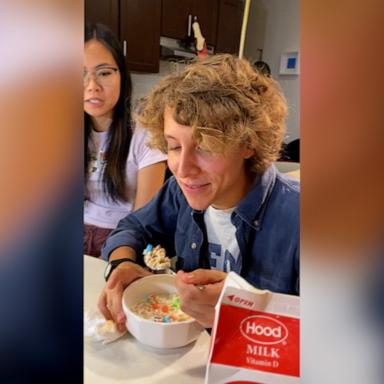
x,y
103,11
139,24
229,26
136,23
220,21
140,28
174,20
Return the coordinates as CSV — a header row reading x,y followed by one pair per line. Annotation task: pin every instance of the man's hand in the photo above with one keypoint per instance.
x,y
110,299
199,291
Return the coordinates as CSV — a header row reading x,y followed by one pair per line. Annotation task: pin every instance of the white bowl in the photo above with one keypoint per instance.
x,y
156,334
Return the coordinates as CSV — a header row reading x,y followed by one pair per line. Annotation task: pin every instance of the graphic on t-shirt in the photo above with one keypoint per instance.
x,y
97,163
92,166
223,259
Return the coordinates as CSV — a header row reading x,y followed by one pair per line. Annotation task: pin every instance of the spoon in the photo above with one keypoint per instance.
x,y
157,262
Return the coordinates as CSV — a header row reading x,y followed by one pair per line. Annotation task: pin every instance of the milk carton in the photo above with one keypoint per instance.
x,y
255,336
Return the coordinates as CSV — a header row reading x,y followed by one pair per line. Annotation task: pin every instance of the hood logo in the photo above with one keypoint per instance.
x,y
263,330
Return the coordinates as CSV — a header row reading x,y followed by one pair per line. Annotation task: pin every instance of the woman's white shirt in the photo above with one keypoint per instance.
x,y
98,209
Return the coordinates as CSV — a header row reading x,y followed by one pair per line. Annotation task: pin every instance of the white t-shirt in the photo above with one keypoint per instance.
x,y
223,248
98,210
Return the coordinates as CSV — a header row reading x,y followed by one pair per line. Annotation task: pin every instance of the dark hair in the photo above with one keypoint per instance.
x,y
119,133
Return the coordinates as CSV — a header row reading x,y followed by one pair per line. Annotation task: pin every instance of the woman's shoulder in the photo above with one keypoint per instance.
x,y
139,141
140,152
139,133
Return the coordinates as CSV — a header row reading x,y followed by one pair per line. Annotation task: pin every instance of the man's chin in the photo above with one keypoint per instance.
x,y
198,206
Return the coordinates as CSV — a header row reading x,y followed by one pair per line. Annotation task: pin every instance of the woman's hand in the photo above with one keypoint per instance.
x,y
199,291
110,299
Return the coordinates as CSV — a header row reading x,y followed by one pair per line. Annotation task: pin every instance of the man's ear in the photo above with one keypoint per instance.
x,y
247,152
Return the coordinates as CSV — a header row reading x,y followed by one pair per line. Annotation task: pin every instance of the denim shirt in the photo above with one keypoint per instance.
x,y
267,231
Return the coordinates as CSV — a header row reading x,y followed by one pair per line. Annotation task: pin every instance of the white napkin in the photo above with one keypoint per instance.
x,y
97,328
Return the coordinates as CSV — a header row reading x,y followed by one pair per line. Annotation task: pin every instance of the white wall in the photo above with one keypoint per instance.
x,y
274,25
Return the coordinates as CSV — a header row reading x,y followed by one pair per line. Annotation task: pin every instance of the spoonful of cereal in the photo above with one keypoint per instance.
x,y
156,260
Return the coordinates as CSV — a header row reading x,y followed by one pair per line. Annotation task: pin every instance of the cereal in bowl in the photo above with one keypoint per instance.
x,y
161,308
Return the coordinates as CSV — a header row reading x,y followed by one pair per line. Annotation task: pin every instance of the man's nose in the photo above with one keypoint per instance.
x,y
187,165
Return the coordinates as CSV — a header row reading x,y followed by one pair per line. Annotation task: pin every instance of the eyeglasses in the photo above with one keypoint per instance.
x,y
103,76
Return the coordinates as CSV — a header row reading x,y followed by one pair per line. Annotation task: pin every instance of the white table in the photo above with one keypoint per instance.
x,y
128,361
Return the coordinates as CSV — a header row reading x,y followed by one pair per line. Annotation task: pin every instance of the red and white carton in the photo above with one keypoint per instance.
x,y
255,337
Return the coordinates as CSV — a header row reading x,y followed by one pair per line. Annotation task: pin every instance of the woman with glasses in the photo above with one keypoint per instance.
x,y
121,172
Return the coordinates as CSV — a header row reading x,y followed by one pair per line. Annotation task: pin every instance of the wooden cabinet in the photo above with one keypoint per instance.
x,y
140,28
229,26
103,11
140,23
136,23
174,20
220,21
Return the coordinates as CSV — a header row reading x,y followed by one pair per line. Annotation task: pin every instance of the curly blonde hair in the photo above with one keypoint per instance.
x,y
227,103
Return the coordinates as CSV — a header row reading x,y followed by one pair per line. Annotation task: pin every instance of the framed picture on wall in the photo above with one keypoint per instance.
x,y
289,63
